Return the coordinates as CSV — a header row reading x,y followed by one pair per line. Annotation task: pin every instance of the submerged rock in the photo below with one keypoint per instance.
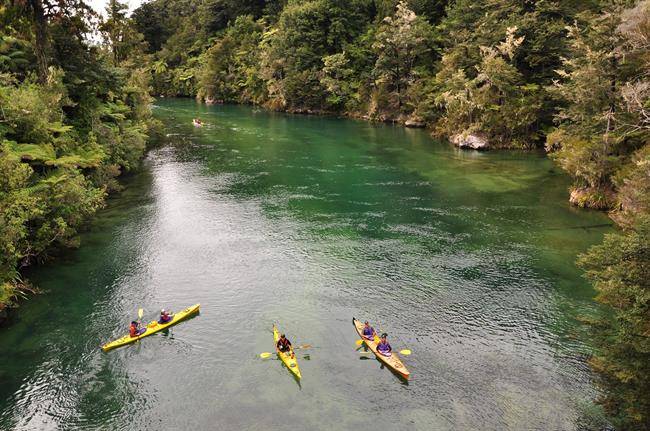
x,y
414,122
470,140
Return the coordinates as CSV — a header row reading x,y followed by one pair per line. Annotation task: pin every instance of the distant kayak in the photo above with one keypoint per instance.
x,y
393,362
197,123
152,328
286,358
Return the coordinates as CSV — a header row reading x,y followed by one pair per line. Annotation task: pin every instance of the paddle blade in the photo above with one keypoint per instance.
x,y
358,342
140,313
265,355
405,352
304,346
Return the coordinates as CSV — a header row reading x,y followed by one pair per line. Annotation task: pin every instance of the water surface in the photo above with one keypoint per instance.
x,y
465,258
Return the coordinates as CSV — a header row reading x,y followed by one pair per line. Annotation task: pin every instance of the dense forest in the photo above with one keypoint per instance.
x,y
73,117
570,77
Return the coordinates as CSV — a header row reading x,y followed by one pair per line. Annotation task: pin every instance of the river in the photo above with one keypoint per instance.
x,y
465,258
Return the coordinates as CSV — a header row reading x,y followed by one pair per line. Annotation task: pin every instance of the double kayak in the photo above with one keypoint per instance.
x,y
393,362
153,327
288,358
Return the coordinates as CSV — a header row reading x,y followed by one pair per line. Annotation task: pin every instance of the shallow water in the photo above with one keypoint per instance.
x,y
465,258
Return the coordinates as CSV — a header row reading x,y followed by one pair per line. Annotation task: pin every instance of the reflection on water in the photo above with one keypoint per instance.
x,y
465,258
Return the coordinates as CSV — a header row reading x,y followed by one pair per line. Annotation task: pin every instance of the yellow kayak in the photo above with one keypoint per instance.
x,y
393,362
152,328
286,358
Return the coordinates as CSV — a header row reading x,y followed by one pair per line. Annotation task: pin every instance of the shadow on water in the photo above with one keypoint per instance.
x,y
295,378
382,366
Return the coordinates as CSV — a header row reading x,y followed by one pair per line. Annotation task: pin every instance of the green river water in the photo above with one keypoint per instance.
x,y
465,258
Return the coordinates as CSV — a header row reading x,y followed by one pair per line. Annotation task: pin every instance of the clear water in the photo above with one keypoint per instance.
x,y
465,258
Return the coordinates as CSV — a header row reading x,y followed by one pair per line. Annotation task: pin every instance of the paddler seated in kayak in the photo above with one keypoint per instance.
x,y
368,331
165,317
284,345
383,347
135,329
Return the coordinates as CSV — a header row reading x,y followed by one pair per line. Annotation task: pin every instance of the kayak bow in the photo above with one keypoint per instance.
x,y
286,358
152,328
393,362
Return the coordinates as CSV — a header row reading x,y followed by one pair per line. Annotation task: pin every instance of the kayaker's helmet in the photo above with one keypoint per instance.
x,y
134,323
384,335
282,336
162,311
366,323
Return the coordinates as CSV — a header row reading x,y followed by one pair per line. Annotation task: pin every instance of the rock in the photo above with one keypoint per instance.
x,y
470,140
414,122
210,101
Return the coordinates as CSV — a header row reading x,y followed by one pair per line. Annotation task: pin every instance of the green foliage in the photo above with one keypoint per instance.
x,y
121,34
496,101
229,67
633,184
399,43
620,271
602,125
65,135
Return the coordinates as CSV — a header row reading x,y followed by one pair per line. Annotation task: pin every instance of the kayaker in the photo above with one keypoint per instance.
x,y
368,331
284,345
164,316
135,330
383,347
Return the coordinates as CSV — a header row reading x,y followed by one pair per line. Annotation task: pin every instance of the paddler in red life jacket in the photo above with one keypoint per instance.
x,y
135,330
368,331
383,347
284,345
165,317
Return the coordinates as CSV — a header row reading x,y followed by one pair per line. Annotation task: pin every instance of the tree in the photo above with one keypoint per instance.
x,y
495,102
603,85
620,271
64,135
120,33
310,31
400,41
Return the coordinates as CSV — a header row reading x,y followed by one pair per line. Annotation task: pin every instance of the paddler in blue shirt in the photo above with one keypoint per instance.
x,y
165,317
368,331
383,347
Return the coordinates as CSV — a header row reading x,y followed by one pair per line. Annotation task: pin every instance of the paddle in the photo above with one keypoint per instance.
x,y
404,352
265,355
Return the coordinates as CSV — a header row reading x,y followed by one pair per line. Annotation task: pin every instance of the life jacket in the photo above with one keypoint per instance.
x,y
368,331
384,347
133,330
164,318
284,344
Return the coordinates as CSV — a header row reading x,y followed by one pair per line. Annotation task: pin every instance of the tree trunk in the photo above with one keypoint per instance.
x,y
42,45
